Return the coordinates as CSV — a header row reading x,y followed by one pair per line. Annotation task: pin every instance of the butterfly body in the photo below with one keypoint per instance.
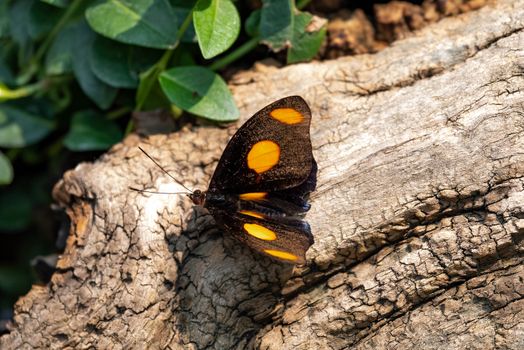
x,y
259,190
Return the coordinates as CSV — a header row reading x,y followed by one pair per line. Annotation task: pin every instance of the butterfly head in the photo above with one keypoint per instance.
x,y
198,197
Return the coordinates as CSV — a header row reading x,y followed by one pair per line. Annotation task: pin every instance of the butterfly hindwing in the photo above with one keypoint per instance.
x,y
271,151
299,195
282,239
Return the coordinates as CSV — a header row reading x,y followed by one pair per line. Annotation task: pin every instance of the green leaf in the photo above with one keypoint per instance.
x,y
71,51
276,23
217,24
59,57
91,131
120,65
305,43
253,23
15,210
6,170
19,16
19,128
199,91
58,3
6,76
149,23
4,19
101,93
42,18
149,95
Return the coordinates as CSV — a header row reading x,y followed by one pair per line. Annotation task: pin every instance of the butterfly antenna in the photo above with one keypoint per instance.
x,y
164,170
154,192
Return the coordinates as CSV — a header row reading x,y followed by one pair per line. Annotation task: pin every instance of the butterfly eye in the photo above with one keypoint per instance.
x,y
287,115
263,156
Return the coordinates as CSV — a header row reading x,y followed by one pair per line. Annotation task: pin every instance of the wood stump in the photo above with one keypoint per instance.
x,y
418,216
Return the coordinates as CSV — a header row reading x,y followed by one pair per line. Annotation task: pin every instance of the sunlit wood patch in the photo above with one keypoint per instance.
x,y
287,115
260,232
251,213
252,196
281,254
263,156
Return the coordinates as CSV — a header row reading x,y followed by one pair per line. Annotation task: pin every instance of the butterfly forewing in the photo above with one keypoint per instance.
x,y
272,150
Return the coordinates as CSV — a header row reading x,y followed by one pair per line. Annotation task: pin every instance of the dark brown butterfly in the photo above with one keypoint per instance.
x,y
258,193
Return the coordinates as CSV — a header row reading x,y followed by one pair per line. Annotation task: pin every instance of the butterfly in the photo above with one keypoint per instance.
x,y
259,191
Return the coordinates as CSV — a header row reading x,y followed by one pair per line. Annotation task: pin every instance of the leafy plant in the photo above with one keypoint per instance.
x,y
113,49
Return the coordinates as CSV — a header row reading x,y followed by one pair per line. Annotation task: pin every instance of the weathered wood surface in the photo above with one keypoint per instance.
x,y
418,217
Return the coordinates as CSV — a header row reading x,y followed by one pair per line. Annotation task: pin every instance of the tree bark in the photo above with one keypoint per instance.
x,y
418,217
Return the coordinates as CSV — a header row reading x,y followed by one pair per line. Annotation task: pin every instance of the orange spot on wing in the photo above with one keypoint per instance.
x,y
281,254
252,196
251,213
287,115
260,232
263,156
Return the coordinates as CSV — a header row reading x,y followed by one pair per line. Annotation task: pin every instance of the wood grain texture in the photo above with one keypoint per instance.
x,y
418,217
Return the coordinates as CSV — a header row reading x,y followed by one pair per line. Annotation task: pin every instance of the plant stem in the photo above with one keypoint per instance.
x,y
236,54
129,127
117,113
63,20
151,76
13,94
183,28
